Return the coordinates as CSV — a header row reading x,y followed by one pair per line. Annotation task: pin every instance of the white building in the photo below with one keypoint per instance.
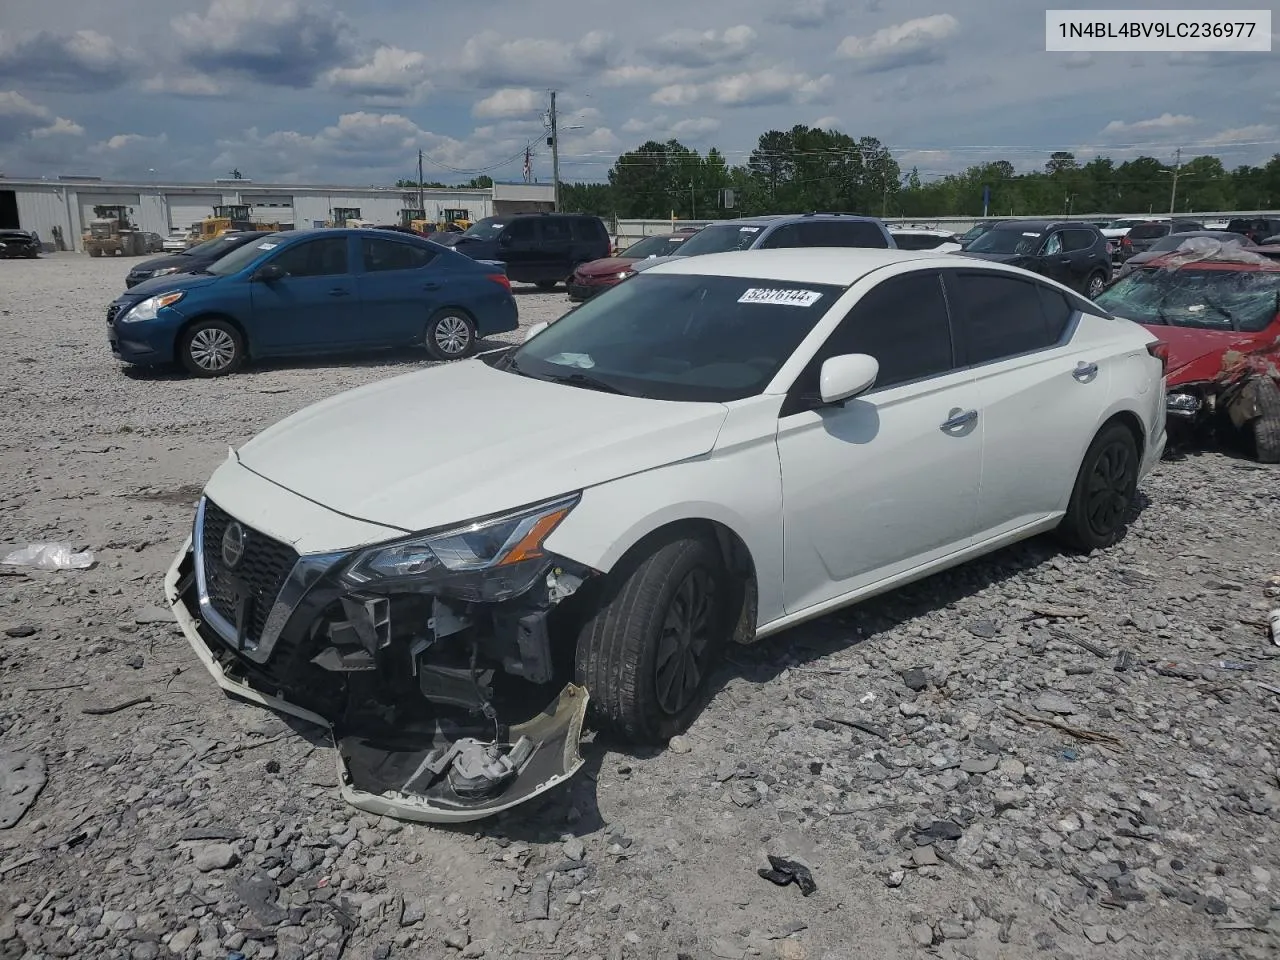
x,y
67,203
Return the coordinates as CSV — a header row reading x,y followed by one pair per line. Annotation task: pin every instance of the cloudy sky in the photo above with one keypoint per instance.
x,y
294,90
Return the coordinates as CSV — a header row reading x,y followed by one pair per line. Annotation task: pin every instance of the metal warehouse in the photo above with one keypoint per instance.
x,y
67,203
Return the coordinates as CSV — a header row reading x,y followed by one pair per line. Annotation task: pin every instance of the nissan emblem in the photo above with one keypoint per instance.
x,y
233,541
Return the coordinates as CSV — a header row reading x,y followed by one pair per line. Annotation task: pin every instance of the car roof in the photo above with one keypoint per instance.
x,y
828,265
922,231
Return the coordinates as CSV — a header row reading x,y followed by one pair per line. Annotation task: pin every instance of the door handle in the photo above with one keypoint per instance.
x,y
431,286
960,420
1064,260
339,292
1085,372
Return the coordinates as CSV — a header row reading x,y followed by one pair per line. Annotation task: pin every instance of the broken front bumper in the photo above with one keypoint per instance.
x,y
431,774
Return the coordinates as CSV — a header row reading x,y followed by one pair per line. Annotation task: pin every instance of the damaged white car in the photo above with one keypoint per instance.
x,y
441,566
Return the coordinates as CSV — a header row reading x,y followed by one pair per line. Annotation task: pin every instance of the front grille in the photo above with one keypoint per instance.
x,y
112,311
262,570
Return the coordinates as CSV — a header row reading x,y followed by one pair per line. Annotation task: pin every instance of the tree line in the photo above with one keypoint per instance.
x,y
805,168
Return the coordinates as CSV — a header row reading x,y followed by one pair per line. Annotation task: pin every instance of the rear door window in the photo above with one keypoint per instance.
x,y
849,233
556,230
1149,231
381,255
998,316
1078,239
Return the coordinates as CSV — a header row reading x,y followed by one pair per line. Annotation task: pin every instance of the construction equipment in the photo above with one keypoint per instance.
x,y
230,217
111,233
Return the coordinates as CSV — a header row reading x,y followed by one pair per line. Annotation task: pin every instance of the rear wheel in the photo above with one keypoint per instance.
x,y
95,252
547,284
1104,490
1266,428
647,652
211,348
450,335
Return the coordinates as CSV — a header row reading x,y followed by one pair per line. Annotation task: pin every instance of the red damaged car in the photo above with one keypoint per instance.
x,y
1217,308
591,278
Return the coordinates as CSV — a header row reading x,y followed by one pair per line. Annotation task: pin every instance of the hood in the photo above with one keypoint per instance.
x,y
159,263
641,265
1195,355
173,281
463,440
1012,259
602,268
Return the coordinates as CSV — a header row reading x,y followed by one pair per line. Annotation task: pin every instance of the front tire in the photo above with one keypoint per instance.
x,y
1104,490
1266,428
211,348
547,284
647,653
1094,286
451,335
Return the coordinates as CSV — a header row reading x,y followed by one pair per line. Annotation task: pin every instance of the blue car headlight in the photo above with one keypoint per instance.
x,y
148,309
487,560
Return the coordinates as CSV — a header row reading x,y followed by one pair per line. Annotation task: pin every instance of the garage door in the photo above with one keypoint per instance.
x,y
188,208
272,208
90,200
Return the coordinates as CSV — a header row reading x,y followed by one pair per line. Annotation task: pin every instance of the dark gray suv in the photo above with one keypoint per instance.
x,y
782,230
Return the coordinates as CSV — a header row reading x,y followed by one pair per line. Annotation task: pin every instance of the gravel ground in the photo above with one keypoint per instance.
x,y
1036,755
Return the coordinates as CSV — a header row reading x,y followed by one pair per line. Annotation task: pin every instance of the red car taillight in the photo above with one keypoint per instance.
x,y
502,280
1126,243
1160,350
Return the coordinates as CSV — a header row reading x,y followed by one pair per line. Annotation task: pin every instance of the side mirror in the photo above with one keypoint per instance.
x,y
844,377
536,329
269,273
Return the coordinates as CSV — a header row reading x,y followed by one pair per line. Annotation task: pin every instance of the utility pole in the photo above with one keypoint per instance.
x,y
1173,194
693,203
554,141
422,205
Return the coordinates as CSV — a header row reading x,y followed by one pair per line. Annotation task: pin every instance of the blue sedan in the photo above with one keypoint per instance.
x,y
309,292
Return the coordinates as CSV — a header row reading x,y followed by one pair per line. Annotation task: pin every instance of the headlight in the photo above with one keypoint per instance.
x,y
163,272
487,560
148,308
626,273
1182,404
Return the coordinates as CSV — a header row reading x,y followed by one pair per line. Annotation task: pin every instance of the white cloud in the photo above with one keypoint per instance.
x,y
628,75
277,42
391,74
663,128
1078,60
691,48
1236,136
827,123
510,102
755,88
20,117
78,62
1166,121
488,59
911,43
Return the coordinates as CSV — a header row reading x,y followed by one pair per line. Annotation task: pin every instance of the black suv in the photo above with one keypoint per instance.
x,y
193,260
1144,236
1256,229
1073,252
541,248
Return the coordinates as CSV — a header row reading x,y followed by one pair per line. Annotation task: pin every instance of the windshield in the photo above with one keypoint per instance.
x,y
485,229
1149,231
1215,299
977,230
1175,240
1123,224
654,247
211,248
1007,241
241,257
920,241
722,238
679,337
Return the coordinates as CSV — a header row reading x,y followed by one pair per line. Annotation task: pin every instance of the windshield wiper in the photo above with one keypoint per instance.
x,y
589,382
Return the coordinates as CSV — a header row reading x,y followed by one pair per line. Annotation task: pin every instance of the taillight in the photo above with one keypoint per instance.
x,y
1160,350
1126,242
502,280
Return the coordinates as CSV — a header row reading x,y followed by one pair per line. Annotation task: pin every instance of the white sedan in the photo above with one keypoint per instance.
x,y
443,566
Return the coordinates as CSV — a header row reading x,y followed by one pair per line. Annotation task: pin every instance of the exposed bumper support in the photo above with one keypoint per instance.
x,y
555,733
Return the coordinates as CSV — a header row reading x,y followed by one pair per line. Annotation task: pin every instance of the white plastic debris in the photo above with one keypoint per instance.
x,y
1207,249
49,556
1275,626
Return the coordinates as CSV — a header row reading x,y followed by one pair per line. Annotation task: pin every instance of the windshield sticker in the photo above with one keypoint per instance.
x,y
786,298
748,229
580,360
267,246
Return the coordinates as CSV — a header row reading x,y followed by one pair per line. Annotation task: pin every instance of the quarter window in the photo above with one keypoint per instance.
x,y
315,258
382,255
902,322
998,316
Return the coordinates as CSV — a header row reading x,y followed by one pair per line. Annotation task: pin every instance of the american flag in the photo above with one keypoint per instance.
x,y
528,165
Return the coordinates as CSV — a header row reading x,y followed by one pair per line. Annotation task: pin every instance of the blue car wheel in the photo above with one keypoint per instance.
x,y
451,335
